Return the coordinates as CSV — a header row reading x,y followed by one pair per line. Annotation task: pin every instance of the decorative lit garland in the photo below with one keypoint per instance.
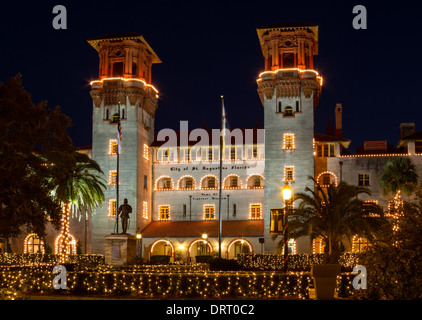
x,y
288,141
330,173
195,280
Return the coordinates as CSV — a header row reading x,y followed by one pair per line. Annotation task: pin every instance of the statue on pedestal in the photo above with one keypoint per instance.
x,y
124,211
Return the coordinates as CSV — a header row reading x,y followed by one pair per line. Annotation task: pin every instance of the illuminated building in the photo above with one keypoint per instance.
x,y
172,185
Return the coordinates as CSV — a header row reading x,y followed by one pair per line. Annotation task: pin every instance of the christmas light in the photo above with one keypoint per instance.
x,y
274,72
126,80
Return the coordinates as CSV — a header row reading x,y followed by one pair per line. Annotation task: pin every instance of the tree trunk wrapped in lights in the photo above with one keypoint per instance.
x,y
64,241
77,187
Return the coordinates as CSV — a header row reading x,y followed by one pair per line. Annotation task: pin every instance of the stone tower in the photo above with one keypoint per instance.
x,y
289,90
124,88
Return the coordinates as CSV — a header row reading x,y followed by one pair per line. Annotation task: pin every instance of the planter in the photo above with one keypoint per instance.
x,y
324,276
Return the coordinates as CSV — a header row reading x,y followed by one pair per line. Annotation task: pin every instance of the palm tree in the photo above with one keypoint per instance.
x,y
399,176
335,214
77,186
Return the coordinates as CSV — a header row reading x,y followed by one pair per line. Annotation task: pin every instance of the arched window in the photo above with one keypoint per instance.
x,y
255,181
288,111
33,244
326,178
164,183
209,182
71,248
237,247
186,183
232,182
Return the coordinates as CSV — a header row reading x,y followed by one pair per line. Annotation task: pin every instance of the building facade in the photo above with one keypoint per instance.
x,y
171,178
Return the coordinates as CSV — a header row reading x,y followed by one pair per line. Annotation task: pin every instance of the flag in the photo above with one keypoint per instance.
x,y
224,124
119,135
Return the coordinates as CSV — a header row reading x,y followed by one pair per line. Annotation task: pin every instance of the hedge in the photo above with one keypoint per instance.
x,y
208,284
296,262
53,259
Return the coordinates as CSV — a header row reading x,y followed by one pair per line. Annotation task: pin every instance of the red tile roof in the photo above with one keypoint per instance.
x,y
242,228
329,138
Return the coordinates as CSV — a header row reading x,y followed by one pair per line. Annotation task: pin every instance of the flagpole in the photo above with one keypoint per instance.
x,y
117,172
220,207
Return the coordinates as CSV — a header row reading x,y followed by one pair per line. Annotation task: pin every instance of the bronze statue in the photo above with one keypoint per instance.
x,y
124,211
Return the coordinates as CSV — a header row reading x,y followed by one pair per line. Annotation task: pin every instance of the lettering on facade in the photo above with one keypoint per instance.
x,y
204,168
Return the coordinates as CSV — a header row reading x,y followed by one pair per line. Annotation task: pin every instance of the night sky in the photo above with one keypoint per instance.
x,y
209,48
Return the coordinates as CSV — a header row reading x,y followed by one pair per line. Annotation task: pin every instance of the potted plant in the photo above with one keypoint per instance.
x,y
333,214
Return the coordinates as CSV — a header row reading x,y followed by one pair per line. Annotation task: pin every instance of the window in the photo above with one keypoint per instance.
x,y
145,181
288,60
255,211
276,221
164,212
326,179
117,69
165,183
325,150
288,111
234,209
112,177
255,181
184,155
209,211
279,107
186,183
288,141
189,183
289,173
164,155
363,179
233,153
146,152
231,182
184,210
359,244
112,207
33,244
134,69
145,210
210,158
209,182
255,152
112,146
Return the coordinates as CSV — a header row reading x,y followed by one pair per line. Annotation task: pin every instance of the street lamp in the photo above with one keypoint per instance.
x,y
139,245
287,196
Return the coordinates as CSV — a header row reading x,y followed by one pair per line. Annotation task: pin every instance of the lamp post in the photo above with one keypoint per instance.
x,y
287,195
139,245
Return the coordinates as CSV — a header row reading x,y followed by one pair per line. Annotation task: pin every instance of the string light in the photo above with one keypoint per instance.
x,y
180,284
126,80
274,72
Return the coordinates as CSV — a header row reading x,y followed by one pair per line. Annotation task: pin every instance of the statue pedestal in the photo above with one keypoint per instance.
x,y
119,249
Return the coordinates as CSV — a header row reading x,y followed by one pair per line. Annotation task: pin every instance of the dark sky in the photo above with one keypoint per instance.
x,y
209,48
